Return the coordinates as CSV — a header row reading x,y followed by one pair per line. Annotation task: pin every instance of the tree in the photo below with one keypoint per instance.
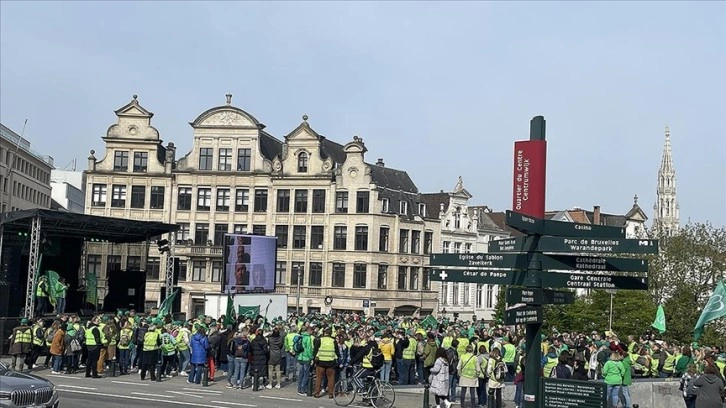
x,y
683,274
501,305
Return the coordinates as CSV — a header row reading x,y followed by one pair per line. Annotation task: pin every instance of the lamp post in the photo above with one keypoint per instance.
x,y
299,278
612,293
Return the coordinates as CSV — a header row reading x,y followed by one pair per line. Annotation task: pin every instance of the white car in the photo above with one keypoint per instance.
x,y
25,390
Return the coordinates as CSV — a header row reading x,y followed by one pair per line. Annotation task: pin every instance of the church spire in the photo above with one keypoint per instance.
x,y
666,208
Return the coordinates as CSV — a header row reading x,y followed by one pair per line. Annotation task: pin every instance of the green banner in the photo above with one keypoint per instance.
x,y
714,309
53,281
248,312
166,305
91,289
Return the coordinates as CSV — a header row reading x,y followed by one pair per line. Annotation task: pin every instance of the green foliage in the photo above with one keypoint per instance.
x,y
501,305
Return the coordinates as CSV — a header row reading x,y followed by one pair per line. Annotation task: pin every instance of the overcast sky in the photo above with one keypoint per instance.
x,y
440,90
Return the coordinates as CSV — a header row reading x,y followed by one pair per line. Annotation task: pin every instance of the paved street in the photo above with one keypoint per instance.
x,y
116,392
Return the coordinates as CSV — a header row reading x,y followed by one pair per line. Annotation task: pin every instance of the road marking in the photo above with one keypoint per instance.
x,y
146,395
202,390
280,398
186,394
64,376
130,383
75,386
127,397
237,404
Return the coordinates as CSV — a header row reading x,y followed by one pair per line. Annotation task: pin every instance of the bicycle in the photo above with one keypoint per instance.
x,y
379,393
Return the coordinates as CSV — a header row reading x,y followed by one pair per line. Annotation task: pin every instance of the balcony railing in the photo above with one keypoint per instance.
x,y
413,295
198,250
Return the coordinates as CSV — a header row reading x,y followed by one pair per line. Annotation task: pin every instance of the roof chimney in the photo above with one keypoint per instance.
x,y
380,163
596,215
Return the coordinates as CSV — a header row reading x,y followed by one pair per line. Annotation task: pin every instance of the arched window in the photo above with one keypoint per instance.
x,y
302,163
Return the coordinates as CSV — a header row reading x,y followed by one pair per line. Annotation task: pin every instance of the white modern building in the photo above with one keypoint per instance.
x,y
24,174
68,189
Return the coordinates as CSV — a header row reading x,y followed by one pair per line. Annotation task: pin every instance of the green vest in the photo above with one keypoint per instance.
x,y
326,351
24,336
150,340
90,338
549,366
509,352
409,353
468,365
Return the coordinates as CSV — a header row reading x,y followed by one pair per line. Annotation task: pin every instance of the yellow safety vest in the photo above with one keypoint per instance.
x,y
367,360
90,338
151,340
104,341
47,333
39,291
468,365
24,336
37,340
326,352
482,343
509,352
720,365
182,345
461,348
409,353
446,342
549,366
130,334
670,363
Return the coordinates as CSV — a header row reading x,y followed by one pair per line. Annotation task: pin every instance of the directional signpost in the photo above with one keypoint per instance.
x,y
530,262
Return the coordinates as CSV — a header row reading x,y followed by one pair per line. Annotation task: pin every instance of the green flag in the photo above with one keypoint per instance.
x,y
165,307
91,289
248,312
714,309
429,322
53,278
229,317
660,322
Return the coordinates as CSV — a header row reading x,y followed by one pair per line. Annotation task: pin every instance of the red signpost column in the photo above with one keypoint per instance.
x,y
530,167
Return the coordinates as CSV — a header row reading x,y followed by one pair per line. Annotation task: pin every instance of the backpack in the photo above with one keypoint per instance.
x,y
500,371
167,345
242,349
124,341
297,344
75,345
377,359
49,336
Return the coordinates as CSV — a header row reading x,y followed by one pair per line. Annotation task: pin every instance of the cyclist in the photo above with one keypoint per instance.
x,y
363,357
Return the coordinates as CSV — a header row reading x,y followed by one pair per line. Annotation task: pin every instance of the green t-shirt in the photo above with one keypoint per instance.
x,y
627,377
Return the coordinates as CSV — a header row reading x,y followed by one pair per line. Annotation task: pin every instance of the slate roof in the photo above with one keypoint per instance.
x,y
331,149
484,222
433,203
392,179
498,218
269,146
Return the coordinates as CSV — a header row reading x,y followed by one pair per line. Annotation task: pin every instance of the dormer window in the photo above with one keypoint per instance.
x,y
403,207
385,205
302,163
422,210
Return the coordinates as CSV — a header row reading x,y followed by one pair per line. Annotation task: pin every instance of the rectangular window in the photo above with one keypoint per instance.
x,y
361,238
201,234
298,236
242,200
316,274
258,229
260,200
118,196
298,273
403,243
318,201
362,200
239,228
219,231
141,161
138,196
341,202
157,198
445,247
120,161
133,263
382,276
383,239
385,206
428,242
338,275
281,232
301,201
281,272
244,158
415,242
98,198
222,199
403,207
426,279
359,275
467,248
457,247
204,199
184,199
113,263
199,271
413,281
224,161
340,236
217,271
316,237
422,210
490,296
152,268
283,201
182,234
206,157
402,272
182,271
94,264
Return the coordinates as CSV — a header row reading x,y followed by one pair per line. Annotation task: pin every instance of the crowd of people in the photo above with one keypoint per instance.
x,y
453,357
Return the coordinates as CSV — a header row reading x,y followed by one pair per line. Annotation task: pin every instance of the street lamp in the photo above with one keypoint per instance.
x,y
299,278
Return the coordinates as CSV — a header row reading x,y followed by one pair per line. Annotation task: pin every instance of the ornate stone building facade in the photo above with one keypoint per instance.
x,y
465,229
350,229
